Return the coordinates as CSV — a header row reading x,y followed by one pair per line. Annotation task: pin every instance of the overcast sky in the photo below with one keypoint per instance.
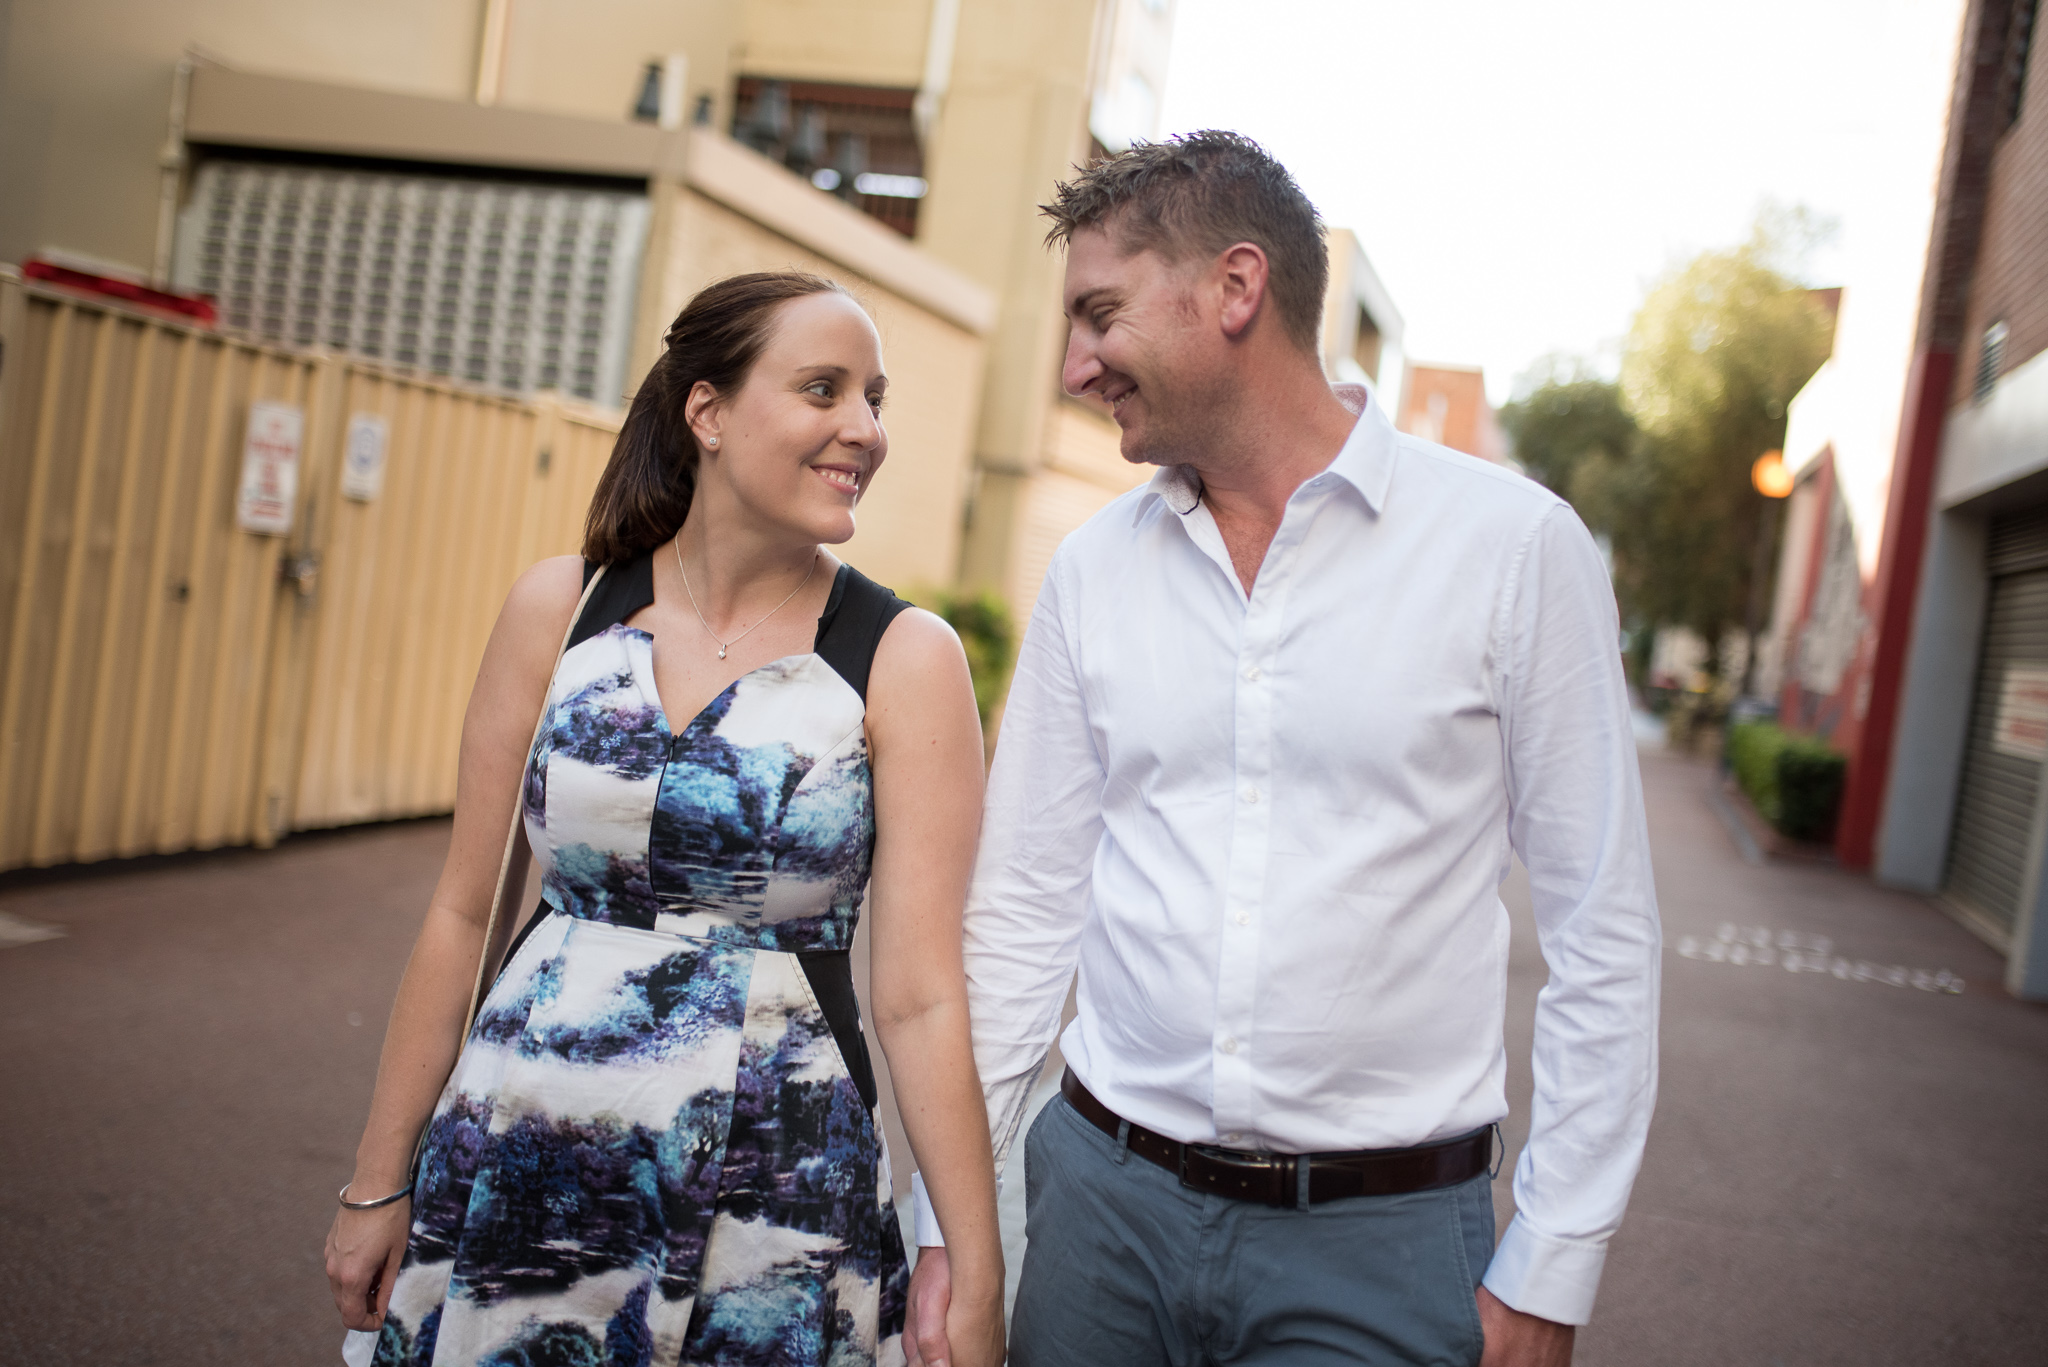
x,y
1518,173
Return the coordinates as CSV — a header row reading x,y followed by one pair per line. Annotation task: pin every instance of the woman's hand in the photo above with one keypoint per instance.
x,y
972,1332
364,1248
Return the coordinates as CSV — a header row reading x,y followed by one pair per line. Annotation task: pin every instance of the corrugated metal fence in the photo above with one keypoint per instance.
x,y
171,681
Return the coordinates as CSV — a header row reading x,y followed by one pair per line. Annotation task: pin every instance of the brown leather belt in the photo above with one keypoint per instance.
x,y
1275,1178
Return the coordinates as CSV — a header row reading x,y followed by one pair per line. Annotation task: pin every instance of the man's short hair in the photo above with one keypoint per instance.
x,y
1197,195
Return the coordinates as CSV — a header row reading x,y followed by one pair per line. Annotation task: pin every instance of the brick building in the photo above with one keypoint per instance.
x,y
1951,668
1447,404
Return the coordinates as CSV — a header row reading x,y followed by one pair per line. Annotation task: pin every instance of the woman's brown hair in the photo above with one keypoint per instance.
x,y
644,494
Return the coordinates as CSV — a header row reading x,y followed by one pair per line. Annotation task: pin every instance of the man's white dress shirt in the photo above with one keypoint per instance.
x,y
1271,829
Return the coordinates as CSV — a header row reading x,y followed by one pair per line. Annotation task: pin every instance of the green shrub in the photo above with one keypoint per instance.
x,y
1794,782
987,633
1810,775
1753,754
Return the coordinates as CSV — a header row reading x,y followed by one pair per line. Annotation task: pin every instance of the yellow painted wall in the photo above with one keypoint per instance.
x,y
587,57
86,91
1014,122
874,42
910,520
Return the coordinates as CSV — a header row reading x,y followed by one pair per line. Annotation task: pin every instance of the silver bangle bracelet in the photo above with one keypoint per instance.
x,y
347,1204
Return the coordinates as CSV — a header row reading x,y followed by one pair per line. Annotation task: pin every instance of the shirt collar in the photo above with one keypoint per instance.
x,y
1366,459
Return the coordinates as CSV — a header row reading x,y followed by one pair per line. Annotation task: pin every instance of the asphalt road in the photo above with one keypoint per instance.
x,y
1842,1171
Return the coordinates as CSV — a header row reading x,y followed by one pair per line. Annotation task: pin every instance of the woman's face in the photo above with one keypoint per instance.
x,y
801,439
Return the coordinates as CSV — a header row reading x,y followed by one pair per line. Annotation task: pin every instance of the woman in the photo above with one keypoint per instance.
x,y
660,1145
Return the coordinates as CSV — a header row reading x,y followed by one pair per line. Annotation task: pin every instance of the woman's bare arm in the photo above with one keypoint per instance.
x,y
927,759
421,1040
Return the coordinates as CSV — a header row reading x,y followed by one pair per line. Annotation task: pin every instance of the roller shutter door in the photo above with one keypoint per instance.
x,y
2002,763
513,285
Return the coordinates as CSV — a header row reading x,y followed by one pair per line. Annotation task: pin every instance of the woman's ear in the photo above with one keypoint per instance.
x,y
701,412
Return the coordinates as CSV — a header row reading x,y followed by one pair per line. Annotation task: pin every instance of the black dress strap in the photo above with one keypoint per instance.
x,y
626,588
850,629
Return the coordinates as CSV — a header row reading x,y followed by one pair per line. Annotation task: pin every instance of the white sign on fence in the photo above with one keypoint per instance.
x,y
2023,713
362,457
270,467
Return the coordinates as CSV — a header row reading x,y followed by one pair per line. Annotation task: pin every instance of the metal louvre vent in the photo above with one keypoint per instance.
x,y
1990,361
516,286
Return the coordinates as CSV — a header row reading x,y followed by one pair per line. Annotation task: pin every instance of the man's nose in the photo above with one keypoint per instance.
x,y
1082,368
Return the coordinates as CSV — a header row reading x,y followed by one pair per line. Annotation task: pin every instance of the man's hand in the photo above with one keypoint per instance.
x,y
1513,1339
924,1324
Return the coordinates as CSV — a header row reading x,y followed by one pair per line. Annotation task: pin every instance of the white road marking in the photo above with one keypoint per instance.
x,y
19,930
1798,952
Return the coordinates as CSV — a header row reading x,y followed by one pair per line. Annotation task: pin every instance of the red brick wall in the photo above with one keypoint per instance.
x,y
2011,277
1465,416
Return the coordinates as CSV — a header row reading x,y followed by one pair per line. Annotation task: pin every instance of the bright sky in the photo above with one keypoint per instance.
x,y
1518,173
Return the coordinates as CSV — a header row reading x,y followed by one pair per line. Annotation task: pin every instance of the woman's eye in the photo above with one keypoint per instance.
x,y
875,402
822,388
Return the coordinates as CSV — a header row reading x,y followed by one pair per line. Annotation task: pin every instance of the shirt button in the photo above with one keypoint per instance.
x,y
1252,673
1232,1137
1244,918
1229,1045
1251,794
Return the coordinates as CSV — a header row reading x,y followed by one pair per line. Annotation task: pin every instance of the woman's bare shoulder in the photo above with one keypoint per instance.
x,y
536,612
919,661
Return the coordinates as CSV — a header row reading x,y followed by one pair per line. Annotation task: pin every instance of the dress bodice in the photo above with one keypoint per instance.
x,y
753,824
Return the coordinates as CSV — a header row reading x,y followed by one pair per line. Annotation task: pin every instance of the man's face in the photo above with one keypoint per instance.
x,y
1136,343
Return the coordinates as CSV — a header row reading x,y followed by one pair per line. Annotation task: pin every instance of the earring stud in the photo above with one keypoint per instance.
x,y
714,441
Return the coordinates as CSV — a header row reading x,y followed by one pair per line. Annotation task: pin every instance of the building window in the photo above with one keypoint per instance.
x,y
854,141
1990,360
517,286
2019,45
1365,346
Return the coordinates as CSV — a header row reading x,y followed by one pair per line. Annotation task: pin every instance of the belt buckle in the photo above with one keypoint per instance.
x,y
1278,1169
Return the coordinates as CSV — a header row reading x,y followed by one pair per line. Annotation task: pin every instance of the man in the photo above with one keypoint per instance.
x,y
1278,723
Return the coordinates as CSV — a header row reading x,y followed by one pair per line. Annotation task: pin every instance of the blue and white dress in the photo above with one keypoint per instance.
x,y
660,1145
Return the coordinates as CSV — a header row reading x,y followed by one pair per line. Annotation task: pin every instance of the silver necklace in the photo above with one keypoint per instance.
x,y
723,646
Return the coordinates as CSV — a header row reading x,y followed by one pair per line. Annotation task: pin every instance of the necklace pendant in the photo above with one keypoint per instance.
x,y
721,652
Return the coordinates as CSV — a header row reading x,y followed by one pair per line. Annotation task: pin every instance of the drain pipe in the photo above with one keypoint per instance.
x,y
490,55
938,70
170,160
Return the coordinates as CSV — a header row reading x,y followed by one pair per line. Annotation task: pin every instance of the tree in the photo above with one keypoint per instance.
x,y
1571,415
1716,353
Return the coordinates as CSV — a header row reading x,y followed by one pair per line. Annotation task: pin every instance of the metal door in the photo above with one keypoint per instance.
x,y
2001,778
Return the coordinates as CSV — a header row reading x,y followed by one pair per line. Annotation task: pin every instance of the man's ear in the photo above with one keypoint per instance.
x,y
1241,273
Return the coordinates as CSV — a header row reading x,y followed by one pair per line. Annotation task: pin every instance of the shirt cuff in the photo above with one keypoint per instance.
x,y
1553,1279
925,1222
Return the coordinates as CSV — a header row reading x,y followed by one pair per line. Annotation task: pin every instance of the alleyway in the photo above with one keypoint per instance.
x,y
1843,1170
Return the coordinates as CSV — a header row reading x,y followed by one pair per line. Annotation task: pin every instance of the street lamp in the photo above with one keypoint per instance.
x,y
1771,476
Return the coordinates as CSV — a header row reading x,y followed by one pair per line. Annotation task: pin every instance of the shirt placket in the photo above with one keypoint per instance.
x,y
1245,915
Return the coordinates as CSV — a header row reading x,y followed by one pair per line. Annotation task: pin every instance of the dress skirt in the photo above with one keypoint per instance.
x,y
652,1152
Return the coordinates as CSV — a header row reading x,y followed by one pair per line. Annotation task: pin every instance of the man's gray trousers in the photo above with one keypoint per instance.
x,y
1124,1267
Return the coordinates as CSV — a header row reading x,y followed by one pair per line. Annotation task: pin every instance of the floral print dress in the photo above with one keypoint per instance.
x,y
660,1145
